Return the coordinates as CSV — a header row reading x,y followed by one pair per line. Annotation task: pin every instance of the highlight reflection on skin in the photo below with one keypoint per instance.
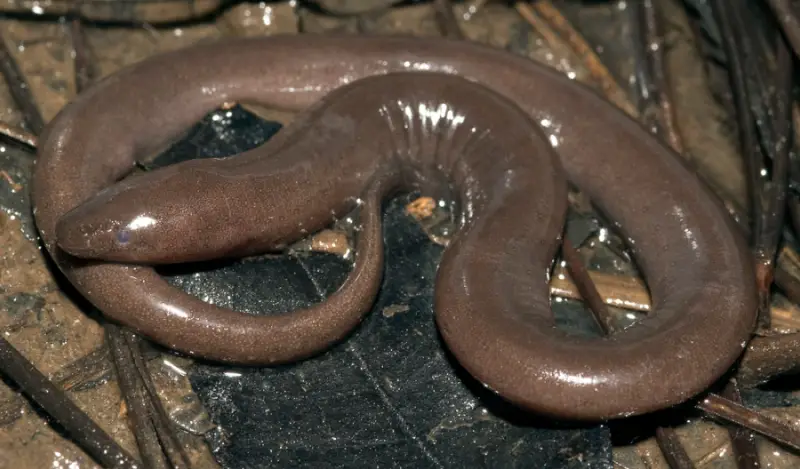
x,y
141,221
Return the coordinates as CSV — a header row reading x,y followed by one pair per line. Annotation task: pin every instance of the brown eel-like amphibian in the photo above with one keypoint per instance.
x,y
496,132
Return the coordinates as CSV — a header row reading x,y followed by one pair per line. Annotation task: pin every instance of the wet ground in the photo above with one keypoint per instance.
x,y
390,396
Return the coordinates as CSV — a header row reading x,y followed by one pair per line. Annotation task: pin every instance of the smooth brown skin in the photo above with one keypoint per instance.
x,y
492,303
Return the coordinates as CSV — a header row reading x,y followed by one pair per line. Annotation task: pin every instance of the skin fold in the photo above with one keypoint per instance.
x,y
496,133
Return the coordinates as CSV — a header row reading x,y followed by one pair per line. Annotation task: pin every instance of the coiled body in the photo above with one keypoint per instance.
x,y
503,137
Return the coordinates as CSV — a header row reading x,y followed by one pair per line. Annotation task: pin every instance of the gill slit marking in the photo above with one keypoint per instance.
x,y
452,129
386,113
409,127
443,120
471,145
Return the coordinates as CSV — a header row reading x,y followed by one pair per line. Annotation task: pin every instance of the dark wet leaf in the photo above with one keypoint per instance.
x,y
388,396
708,23
780,392
14,194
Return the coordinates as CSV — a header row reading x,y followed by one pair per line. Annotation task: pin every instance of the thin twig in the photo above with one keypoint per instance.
x,y
648,100
553,40
93,366
777,143
136,398
586,287
788,20
630,293
760,423
672,449
18,135
20,91
657,109
749,146
160,420
654,43
55,402
85,71
782,145
446,19
742,440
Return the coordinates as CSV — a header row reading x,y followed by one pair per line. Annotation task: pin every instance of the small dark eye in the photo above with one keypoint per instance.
x,y
123,236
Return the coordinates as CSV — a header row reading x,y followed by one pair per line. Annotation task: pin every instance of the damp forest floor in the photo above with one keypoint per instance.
x,y
390,395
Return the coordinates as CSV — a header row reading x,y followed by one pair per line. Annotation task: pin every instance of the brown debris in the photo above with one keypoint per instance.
x,y
331,242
